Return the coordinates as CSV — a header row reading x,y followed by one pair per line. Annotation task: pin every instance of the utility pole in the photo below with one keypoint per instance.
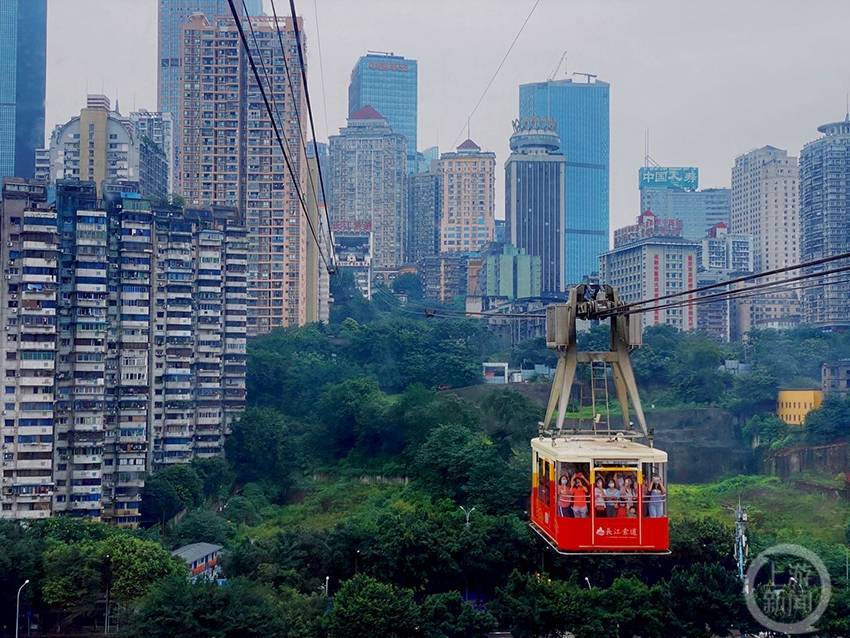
x,y
742,548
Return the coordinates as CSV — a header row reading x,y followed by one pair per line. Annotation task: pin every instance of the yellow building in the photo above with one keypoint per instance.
x,y
792,406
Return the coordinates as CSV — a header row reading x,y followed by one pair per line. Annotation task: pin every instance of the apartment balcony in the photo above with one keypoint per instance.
x,y
33,464
33,244
26,344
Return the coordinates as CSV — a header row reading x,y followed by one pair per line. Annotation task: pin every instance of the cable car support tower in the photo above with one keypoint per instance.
x,y
591,302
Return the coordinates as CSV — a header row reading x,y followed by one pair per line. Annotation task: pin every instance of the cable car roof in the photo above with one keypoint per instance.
x,y
587,448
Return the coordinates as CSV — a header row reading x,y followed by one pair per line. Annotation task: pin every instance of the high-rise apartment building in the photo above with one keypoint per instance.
x,y
159,129
765,204
509,273
423,215
388,83
825,221
723,256
722,250
672,191
581,114
128,354
368,176
171,16
650,266
101,145
23,70
318,253
648,225
468,181
230,155
535,208
28,294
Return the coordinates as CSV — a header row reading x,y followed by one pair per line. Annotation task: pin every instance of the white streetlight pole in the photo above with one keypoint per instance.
x,y
587,580
468,512
18,606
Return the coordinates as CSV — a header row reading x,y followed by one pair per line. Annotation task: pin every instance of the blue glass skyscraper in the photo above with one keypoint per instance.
x,y
581,112
23,63
388,83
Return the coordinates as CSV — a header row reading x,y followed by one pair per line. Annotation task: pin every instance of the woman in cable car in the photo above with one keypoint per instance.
x,y
597,490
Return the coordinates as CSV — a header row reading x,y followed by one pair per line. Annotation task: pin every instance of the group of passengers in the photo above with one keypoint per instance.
x,y
616,497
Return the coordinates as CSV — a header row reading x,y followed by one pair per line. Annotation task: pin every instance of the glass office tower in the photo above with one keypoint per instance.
x,y
23,63
388,83
581,113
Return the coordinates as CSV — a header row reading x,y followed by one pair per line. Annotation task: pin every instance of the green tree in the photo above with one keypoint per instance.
x,y
348,300
260,448
201,526
216,476
160,501
767,431
533,606
830,422
408,284
365,608
705,601
447,615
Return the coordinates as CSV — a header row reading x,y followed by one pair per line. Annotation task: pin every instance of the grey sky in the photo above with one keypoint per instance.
x,y
710,79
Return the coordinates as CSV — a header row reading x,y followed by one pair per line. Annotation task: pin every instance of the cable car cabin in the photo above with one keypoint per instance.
x,y
594,494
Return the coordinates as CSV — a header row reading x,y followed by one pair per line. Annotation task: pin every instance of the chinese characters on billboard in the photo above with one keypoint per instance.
x,y
684,177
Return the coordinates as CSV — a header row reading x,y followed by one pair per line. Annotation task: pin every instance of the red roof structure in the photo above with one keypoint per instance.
x,y
366,113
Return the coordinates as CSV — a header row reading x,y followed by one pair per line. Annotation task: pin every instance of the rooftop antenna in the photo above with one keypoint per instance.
x,y
557,68
587,76
647,158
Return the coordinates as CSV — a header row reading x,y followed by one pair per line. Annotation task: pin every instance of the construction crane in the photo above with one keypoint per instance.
x,y
558,68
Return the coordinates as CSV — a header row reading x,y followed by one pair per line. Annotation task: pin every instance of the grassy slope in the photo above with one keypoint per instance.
x,y
775,508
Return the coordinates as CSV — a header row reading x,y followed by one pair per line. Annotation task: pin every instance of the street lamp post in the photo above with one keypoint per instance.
x,y
587,580
468,512
18,606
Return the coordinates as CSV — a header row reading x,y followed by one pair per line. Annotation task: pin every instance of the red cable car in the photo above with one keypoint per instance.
x,y
595,488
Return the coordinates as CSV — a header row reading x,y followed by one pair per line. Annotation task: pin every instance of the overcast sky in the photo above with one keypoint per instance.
x,y
710,79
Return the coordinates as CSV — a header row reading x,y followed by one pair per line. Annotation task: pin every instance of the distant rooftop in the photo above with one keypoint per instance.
x,y
366,113
469,145
195,551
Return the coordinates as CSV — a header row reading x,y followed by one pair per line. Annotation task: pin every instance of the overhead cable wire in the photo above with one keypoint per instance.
x,y
309,105
277,133
767,273
301,138
498,68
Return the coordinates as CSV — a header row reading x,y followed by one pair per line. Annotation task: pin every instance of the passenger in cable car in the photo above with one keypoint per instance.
x,y
564,496
612,498
599,497
655,497
628,498
580,495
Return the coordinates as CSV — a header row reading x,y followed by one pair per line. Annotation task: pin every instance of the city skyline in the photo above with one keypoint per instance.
x,y
688,124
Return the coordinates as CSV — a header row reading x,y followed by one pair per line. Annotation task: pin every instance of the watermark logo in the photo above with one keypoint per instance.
x,y
792,593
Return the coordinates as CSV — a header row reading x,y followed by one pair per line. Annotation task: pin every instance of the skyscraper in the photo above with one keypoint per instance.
x,y
672,191
765,204
158,128
534,197
581,113
101,145
28,351
825,220
171,16
468,181
23,64
423,215
231,156
368,172
388,83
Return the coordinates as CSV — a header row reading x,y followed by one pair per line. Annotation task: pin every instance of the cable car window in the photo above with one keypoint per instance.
x,y
573,490
616,493
543,479
655,489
